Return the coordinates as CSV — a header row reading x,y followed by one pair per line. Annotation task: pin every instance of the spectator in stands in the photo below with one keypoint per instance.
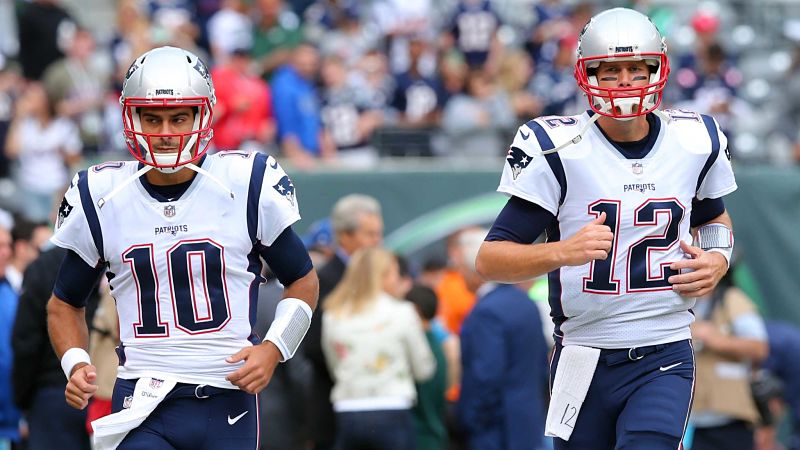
x,y
77,87
418,98
9,414
229,29
45,147
350,121
339,30
430,410
729,336
357,223
476,122
38,379
373,392
504,360
711,87
11,85
301,136
513,76
275,36
42,26
27,238
473,31
554,81
243,117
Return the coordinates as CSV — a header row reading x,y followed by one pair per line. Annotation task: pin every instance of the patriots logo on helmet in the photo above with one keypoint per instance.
x,y
201,68
517,160
131,69
285,188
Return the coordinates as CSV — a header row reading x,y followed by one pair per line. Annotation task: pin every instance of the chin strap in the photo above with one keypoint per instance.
x,y
577,138
105,199
116,190
202,171
664,116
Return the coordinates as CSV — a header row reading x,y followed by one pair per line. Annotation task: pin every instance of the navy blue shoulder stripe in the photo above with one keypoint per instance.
x,y
254,193
711,126
553,160
91,214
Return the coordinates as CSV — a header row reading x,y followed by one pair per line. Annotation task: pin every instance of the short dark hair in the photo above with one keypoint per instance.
x,y
425,299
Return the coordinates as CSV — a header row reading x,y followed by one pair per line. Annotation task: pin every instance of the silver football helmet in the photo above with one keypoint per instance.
x,y
621,34
168,77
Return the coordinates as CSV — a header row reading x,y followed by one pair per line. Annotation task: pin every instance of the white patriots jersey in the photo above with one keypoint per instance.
x,y
184,273
623,301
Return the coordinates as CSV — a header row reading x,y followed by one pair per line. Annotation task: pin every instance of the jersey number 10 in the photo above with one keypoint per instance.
x,y
185,261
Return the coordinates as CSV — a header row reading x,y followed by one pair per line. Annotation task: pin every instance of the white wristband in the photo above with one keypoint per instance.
x,y
292,319
72,357
726,252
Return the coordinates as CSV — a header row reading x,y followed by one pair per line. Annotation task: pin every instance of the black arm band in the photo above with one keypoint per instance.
x,y
520,221
76,279
287,257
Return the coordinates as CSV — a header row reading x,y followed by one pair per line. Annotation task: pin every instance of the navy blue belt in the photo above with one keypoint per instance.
x,y
196,390
612,357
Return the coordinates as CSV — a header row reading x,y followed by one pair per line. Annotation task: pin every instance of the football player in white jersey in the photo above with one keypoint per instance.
x,y
630,199
180,235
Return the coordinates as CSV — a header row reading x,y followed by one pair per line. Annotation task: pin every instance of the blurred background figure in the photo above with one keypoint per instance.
x,y
730,339
9,414
504,359
350,118
431,409
477,120
41,143
357,223
43,27
103,340
243,118
301,135
38,379
77,86
373,379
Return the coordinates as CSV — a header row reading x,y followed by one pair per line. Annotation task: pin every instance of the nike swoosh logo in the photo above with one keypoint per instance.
x,y
524,136
273,160
236,419
666,368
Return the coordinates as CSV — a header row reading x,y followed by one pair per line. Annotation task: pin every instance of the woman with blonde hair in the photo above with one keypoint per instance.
x,y
376,348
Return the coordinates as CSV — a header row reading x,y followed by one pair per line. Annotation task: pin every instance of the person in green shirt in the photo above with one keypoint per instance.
x,y
429,412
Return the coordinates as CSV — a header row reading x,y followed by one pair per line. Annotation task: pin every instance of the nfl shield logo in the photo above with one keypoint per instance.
x,y
126,403
637,168
169,210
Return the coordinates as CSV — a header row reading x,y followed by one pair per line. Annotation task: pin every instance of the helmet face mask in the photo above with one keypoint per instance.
x,y
168,77
622,34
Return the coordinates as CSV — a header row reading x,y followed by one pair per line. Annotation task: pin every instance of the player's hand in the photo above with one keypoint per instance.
x,y
591,242
706,269
259,364
81,386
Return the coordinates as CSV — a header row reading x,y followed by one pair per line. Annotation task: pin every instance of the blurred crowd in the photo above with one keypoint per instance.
x,y
344,84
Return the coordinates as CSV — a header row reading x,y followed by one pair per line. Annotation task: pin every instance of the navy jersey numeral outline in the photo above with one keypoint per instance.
x,y
182,260
640,277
